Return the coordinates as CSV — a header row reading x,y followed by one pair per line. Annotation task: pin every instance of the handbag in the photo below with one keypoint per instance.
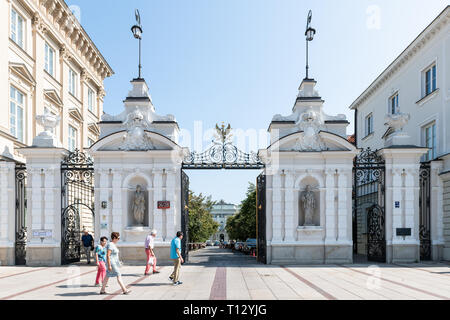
x,y
150,261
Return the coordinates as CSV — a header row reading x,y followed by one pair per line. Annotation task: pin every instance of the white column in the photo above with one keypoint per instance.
x,y
343,211
276,213
102,194
117,211
171,196
7,199
397,194
158,193
35,201
289,226
50,195
411,200
436,210
330,225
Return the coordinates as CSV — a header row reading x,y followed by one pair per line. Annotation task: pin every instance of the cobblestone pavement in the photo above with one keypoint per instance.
x,y
216,274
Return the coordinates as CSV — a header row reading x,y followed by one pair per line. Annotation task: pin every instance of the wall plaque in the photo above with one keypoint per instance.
x,y
163,204
403,232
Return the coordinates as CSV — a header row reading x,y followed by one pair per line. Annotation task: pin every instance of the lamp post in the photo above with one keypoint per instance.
x,y
309,33
137,33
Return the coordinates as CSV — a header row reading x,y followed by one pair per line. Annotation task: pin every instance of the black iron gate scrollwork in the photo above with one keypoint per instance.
x,y
425,214
20,246
369,205
77,203
261,218
185,215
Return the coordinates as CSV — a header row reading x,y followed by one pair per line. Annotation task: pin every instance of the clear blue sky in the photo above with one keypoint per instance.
x,y
241,61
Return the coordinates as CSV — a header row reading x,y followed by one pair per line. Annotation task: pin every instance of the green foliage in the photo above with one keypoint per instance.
x,y
201,223
243,224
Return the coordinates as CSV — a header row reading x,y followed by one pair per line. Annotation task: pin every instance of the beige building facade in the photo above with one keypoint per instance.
x,y
49,64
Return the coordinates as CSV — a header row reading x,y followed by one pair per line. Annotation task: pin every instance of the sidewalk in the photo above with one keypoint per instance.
x,y
214,273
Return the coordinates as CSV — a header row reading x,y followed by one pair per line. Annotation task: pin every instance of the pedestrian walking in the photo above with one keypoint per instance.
x,y
175,255
100,259
113,263
151,257
88,244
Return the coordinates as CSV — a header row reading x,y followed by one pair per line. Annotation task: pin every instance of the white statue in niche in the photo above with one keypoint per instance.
x,y
310,122
309,204
139,206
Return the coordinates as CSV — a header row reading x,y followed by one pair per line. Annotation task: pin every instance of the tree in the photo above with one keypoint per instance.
x,y
201,223
243,224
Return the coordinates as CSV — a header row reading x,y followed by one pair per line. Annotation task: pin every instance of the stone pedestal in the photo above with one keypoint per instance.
x,y
402,202
44,204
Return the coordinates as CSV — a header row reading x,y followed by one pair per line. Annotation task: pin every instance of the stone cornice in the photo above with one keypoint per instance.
x,y
55,17
411,51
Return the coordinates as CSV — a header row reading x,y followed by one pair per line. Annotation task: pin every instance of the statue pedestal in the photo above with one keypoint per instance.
x,y
136,233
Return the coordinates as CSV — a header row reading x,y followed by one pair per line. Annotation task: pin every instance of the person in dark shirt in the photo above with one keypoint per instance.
x,y
88,242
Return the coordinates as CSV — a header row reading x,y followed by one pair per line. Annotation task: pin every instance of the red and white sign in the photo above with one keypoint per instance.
x,y
163,204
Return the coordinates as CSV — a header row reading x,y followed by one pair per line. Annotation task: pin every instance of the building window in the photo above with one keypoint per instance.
x,y
49,59
429,135
91,100
430,80
73,138
17,28
16,114
369,124
393,104
73,78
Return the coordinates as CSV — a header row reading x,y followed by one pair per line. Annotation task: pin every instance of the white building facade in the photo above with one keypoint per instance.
x,y
408,106
220,212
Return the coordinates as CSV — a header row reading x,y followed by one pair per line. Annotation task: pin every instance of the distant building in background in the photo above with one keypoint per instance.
x,y
221,212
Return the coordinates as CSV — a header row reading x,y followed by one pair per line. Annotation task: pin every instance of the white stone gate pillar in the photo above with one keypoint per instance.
x,y
158,192
7,213
402,202
436,210
44,205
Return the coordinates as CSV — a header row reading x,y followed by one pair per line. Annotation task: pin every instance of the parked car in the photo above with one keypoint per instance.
x,y
208,243
249,245
216,243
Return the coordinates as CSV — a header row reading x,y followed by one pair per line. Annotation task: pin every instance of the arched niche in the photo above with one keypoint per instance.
x,y
314,187
130,185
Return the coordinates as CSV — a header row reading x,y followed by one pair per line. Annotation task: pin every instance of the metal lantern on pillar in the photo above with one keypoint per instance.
x,y
137,33
309,33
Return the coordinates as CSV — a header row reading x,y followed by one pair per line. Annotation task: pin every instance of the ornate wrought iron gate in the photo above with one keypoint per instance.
x,y
261,218
185,215
424,204
369,204
21,212
77,202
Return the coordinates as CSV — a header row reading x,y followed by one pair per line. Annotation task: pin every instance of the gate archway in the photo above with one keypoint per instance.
x,y
222,154
77,203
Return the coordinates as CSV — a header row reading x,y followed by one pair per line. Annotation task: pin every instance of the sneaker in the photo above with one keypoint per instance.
x,y
177,283
154,272
127,292
104,292
171,278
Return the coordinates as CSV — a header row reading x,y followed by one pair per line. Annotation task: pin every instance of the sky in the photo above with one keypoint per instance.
x,y
241,61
